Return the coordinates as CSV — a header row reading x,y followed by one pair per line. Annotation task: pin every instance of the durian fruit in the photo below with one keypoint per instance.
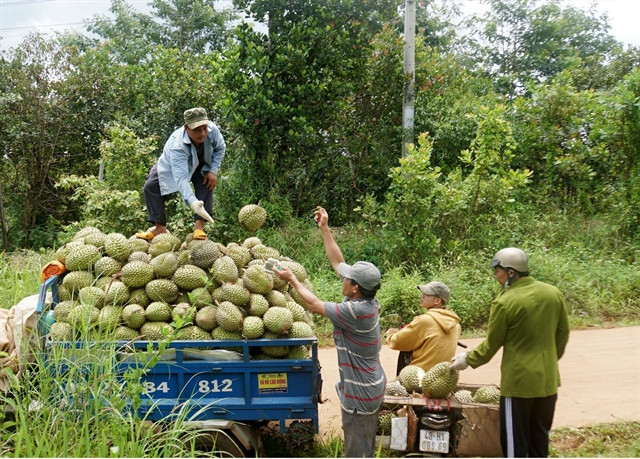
x,y
224,269
139,255
82,233
235,293
301,329
440,380
158,311
109,318
487,394
131,289
239,253
82,258
75,280
189,277
193,332
133,316
137,273
115,293
258,305
278,320
463,396
274,351
117,246
299,352
252,327
124,333
107,266
252,217
395,389
155,331
411,378
384,422
203,253
229,317
252,241
165,264
91,295
257,280
162,290
206,318
61,331
185,311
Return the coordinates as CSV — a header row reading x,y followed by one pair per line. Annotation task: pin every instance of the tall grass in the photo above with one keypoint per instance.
x,y
20,275
75,403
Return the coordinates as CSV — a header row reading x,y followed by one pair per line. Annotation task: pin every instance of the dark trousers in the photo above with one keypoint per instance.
x,y
525,424
156,201
359,433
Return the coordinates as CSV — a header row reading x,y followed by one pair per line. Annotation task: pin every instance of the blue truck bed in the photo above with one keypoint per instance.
x,y
193,379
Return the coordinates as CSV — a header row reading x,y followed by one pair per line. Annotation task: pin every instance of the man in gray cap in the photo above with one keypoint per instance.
x,y
431,337
529,321
192,155
356,332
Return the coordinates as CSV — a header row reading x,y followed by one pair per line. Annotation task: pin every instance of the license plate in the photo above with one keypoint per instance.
x,y
434,441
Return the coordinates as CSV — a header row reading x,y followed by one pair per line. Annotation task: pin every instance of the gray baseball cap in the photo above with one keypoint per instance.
x,y
195,117
363,273
436,288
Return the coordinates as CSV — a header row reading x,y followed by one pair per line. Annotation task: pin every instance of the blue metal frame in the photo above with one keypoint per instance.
x,y
237,390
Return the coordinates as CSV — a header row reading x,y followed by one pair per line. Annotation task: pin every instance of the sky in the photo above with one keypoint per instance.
x,y
20,17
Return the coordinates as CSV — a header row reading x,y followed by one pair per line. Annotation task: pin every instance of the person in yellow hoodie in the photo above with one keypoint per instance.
x,y
431,337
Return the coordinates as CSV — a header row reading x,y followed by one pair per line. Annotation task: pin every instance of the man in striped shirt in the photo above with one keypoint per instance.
x,y
356,333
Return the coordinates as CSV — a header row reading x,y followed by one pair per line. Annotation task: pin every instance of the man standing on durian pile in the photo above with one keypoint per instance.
x,y
356,332
431,337
192,155
529,321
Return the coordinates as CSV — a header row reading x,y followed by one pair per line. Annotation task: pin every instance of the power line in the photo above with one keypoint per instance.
x,y
45,25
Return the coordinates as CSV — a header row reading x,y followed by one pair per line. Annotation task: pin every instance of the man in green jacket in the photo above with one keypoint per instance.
x,y
529,321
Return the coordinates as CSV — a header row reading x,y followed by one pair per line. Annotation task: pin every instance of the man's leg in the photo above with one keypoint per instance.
x,y
155,202
514,425
540,425
359,434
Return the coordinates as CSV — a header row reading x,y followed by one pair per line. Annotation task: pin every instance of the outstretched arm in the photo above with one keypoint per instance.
x,y
312,302
334,254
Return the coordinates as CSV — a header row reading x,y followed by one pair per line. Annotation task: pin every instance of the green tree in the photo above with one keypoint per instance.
x,y
285,88
553,127
114,204
39,138
432,214
530,40
192,26
435,23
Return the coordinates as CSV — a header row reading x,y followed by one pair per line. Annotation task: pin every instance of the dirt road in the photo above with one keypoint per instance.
x,y
600,374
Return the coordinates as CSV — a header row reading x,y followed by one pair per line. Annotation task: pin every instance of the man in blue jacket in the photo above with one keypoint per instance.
x,y
192,155
529,321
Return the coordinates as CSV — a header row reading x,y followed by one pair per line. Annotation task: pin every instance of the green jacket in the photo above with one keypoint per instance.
x,y
529,320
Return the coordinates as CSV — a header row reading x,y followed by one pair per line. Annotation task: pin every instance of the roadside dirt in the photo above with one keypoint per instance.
x,y
600,375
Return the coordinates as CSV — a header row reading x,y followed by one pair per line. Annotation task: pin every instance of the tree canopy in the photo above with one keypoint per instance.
x,y
532,104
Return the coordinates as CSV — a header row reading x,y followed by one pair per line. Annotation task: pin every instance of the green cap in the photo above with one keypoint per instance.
x,y
195,117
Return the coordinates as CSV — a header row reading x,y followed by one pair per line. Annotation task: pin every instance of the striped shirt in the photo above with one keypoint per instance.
x,y
356,333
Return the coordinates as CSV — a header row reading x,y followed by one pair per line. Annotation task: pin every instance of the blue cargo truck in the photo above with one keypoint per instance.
x,y
215,384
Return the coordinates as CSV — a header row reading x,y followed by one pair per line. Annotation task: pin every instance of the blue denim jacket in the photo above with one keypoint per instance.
x,y
179,159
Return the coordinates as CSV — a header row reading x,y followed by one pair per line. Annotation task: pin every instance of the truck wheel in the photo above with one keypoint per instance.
x,y
221,444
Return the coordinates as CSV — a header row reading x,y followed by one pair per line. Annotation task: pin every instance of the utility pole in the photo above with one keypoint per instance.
x,y
409,73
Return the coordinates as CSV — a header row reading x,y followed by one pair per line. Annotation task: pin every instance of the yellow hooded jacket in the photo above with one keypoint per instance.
x,y
432,336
